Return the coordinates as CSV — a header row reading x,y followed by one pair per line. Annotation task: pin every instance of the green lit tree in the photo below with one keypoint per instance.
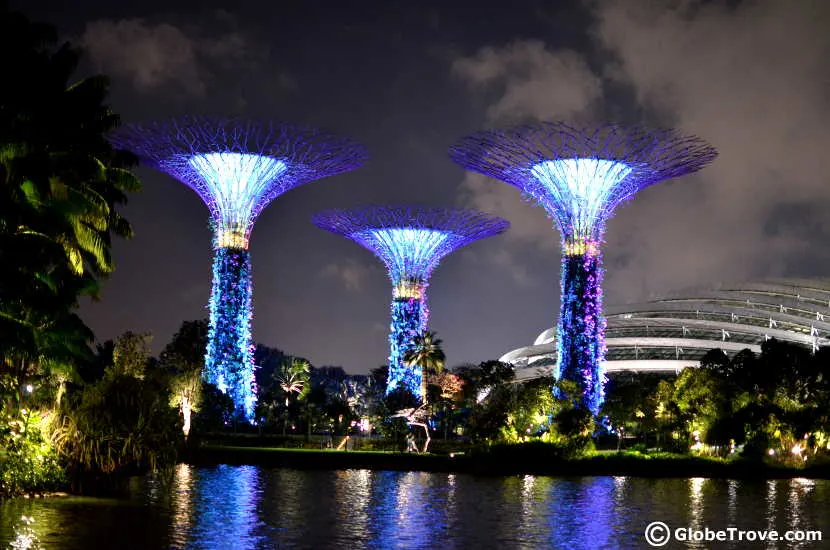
x,y
183,359
60,187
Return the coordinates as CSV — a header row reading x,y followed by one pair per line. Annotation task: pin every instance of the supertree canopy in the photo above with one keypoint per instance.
x,y
579,175
410,241
237,167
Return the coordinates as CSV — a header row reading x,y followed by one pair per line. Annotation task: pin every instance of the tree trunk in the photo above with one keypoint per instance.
x,y
186,409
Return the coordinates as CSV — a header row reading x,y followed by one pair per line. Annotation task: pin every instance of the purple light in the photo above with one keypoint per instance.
x,y
411,242
579,175
237,167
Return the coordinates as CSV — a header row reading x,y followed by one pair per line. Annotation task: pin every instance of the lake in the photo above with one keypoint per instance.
x,y
255,507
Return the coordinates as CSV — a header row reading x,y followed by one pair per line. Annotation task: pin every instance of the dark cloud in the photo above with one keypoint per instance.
x,y
158,55
747,79
407,81
350,273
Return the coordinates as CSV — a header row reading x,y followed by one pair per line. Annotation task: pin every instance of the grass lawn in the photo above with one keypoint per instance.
x,y
508,460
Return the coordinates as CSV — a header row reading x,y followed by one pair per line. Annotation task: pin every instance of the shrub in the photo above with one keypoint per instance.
x,y
28,463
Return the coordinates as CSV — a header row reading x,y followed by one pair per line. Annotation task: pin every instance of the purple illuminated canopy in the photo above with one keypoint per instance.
x,y
580,174
409,240
239,166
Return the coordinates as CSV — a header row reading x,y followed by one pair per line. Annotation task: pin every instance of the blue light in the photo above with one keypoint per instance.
x,y
410,316
410,241
238,186
408,252
229,362
410,255
581,329
237,167
579,175
579,193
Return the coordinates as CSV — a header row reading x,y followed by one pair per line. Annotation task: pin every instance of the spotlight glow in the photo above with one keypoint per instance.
x,y
408,251
577,192
237,183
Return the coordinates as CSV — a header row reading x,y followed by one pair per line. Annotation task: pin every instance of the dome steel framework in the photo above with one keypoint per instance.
x,y
674,332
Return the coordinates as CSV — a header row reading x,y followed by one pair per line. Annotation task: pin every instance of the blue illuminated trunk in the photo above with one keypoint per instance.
x,y
581,329
229,359
409,317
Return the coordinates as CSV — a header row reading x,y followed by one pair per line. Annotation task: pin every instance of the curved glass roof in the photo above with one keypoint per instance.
x,y
675,331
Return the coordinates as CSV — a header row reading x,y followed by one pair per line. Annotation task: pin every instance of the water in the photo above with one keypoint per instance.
x,y
253,507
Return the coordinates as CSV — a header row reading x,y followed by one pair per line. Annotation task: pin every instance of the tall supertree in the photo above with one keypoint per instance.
x,y
237,167
579,175
410,241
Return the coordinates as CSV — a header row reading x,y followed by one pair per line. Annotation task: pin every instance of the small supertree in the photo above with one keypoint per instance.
x,y
410,241
237,167
579,175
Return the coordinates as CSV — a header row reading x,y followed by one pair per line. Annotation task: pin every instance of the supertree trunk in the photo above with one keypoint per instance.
x,y
229,360
409,317
581,329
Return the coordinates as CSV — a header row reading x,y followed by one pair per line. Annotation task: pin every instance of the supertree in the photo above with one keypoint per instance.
x,y
410,241
237,167
579,175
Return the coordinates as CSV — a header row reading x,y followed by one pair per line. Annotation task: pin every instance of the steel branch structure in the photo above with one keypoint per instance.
x,y
237,167
579,175
410,241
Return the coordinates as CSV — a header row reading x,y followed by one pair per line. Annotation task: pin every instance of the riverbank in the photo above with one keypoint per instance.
x,y
502,463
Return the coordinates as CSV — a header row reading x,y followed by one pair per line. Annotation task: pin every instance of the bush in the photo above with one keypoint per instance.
x,y
28,463
639,448
541,452
118,427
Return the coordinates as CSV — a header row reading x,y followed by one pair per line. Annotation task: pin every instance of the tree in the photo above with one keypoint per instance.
x,y
630,403
700,398
426,353
482,378
446,386
60,185
117,427
184,360
292,377
131,354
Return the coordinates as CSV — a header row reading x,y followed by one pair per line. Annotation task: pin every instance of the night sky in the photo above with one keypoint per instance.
x,y
408,78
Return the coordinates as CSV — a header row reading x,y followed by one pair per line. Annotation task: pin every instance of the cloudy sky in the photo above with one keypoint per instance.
x,y
408,78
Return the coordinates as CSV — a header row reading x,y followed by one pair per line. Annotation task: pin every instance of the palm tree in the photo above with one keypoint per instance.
x,y
293,377
426,353
60,184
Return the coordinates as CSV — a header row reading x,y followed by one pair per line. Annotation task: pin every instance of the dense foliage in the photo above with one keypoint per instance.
x,y
61,184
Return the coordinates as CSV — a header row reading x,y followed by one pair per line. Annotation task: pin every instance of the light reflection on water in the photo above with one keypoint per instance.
x,y
253,507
